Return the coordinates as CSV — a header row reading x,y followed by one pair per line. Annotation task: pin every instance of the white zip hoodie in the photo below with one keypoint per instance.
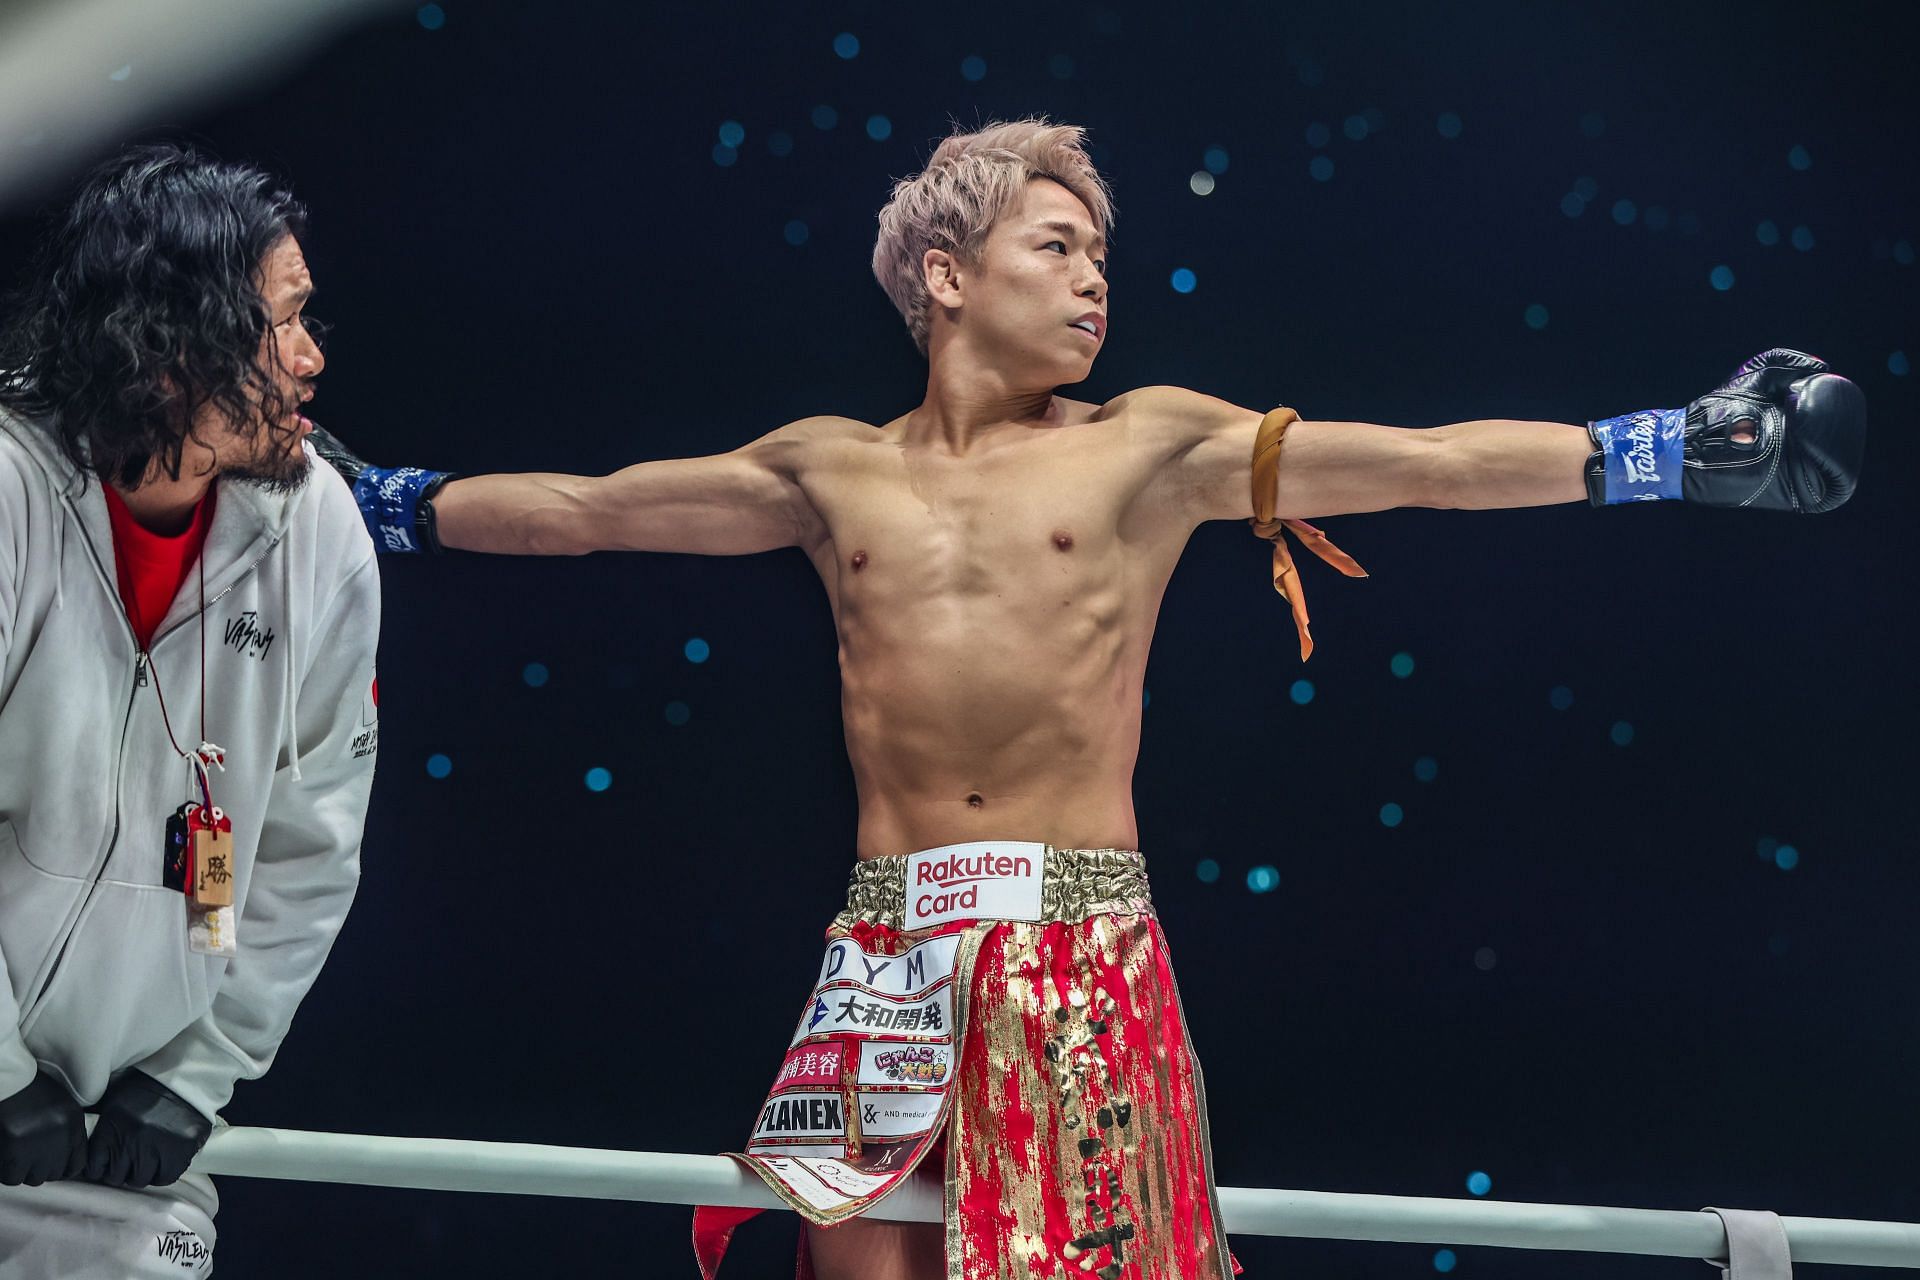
x,y
95,974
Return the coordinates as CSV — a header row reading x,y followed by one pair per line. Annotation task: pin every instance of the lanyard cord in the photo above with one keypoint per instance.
x,y
208,752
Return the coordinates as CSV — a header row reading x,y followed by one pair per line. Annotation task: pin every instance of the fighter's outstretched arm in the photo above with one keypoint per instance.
x,y
1341,468
735,503
1783,433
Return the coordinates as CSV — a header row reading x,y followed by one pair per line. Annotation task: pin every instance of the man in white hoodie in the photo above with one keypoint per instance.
x,y
187,702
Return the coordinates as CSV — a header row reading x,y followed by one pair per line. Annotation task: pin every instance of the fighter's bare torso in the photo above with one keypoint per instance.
x,y
994,613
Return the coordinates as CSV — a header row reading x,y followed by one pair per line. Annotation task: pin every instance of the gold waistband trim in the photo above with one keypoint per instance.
x,y
1075,884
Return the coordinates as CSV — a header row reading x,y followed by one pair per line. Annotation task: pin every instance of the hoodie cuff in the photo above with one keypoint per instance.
x,y
201,1073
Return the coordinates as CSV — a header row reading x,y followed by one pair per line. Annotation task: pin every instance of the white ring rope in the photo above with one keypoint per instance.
x,y
451,1164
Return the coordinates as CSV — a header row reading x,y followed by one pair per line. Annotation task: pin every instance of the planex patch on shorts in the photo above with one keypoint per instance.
x,y
981,880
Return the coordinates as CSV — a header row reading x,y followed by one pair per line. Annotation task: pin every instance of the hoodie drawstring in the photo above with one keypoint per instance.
x,y
293,665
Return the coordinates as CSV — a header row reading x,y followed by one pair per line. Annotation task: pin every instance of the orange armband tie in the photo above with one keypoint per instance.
x,y
1266,473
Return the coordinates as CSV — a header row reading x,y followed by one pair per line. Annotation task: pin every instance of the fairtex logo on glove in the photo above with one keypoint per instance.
x,y
983,880
1645,452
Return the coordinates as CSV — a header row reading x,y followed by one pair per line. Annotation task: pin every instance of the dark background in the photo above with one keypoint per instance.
x,y
1577,966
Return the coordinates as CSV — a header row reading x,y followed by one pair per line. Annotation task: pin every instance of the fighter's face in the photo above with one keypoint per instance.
x,y
1039,292
269,450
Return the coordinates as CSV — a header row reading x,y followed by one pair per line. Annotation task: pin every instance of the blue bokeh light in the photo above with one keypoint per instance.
x,y
1392,815
1146,698
1903,252
795,232
824,117
724,155
1355,127
1479,1183
1656,217
973,68
847,45
1764,847
1444,1260
1448,124
1318,135
1572,204
1536,316
1786,857
535,674
1060,67
780,142
1898,365
1321,168
1621,733
697,650
677,713
1560,697
1586,188
1426,769
1721,278
430,16
1803,238
598,779
1767,233
1301,692
1207,870
1800,158
439,766
1183,280
1263,880
879,128
1401,665
732,132
1624,212
1214,160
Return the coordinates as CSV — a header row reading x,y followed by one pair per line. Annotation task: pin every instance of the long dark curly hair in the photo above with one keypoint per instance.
x,y
143,306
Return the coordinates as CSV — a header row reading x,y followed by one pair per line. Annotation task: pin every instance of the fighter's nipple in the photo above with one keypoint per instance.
x,y
1063,539
859,561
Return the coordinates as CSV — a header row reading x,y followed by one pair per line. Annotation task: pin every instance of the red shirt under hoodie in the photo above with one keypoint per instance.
x,y
150,566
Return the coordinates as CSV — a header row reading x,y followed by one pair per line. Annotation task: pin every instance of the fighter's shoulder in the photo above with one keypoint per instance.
x,y
810,444
1170,417
826,428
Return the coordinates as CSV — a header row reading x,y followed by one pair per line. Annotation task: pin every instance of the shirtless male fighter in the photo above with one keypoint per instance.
x,y
995,558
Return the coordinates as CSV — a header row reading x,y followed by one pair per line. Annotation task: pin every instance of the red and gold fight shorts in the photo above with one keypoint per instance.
x,y
1015,1004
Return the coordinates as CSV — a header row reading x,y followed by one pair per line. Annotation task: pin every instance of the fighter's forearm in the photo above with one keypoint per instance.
x,y
1505,463
528,514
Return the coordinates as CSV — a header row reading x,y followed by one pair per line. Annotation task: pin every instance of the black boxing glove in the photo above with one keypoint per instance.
x,y
396,502
1783,434
147,1134
43,1136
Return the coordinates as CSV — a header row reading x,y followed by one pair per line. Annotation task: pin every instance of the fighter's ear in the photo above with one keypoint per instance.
x,y
942,270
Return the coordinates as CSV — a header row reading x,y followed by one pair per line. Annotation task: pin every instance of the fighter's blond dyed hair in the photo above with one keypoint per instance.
x,y
972,179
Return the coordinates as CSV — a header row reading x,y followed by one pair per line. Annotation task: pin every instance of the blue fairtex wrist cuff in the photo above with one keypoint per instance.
x,y
1644,453
389,499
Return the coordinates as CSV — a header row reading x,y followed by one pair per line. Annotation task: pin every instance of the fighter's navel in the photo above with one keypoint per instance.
x,y
1063,539
974,800
859,561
